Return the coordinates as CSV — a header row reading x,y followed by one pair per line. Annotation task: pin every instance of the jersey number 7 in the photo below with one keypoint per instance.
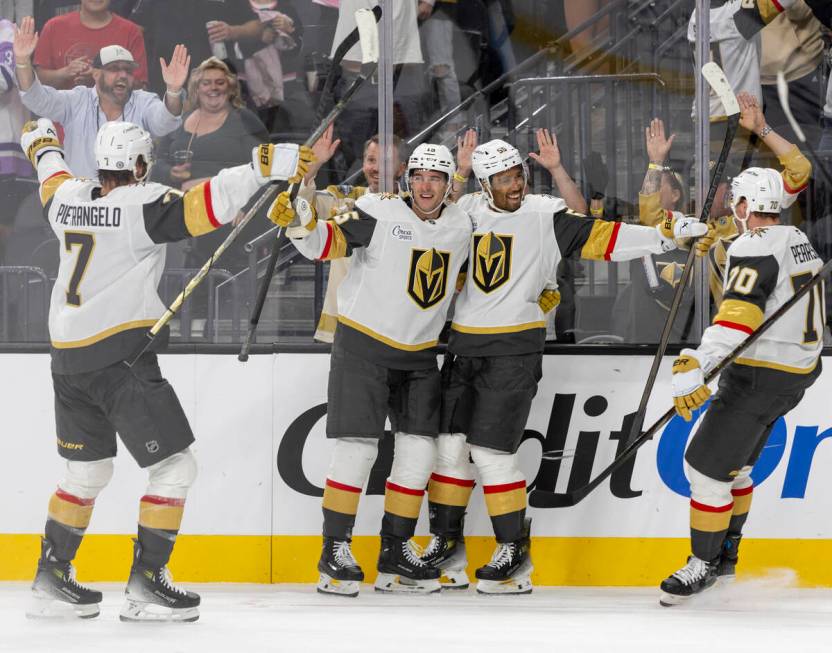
x,y
86,243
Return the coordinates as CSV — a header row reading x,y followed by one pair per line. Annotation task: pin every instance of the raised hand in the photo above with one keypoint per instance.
x,y
465,146
25,40
751,114
176,72
549,154
658,146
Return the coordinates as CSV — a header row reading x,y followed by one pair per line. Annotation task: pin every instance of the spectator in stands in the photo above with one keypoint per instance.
x,y
13,116
167,23
45,10
288,105
68,44
217,132
83,110
326,22
359,120
15,10
577,12
339,199
437,32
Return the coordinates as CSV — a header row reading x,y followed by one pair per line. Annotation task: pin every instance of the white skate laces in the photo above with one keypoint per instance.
x,y
166,579
692,572
436,545
412,555
343,554
503,555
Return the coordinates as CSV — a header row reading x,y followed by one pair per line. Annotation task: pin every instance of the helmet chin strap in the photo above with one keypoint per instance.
x,y
742,223
147,166
486,188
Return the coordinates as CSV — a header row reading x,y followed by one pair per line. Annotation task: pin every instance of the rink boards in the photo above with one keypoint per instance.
x,y
254,513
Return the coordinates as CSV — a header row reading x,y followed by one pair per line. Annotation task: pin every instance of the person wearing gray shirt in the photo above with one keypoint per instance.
x,y
82,110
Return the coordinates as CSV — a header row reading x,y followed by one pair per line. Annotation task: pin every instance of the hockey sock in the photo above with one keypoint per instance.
x,y
742,504
159,520
414,458
68,519
352,459
711,506
505,492
450,486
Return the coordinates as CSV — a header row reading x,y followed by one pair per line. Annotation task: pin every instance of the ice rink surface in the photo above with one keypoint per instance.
x,y
757,615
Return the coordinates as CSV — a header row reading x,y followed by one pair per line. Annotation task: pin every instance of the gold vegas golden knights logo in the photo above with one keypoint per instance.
x,y
492,260
428,276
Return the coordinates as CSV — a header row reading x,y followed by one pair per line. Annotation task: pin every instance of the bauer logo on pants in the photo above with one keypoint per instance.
x,y
427,279
492,260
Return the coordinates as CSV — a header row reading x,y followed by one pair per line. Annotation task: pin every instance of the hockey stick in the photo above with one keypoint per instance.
x,y
541,499
365,20
367,32
716,79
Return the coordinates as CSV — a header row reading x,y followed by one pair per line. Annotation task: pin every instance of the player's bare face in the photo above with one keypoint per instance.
x,y
507,188
212,91
116,81
427,187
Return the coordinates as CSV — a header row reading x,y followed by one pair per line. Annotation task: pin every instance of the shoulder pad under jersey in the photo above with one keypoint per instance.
x,y
763,241
543,203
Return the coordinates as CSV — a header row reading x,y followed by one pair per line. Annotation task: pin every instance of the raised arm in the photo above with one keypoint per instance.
x,y
549,157
39,141
650,211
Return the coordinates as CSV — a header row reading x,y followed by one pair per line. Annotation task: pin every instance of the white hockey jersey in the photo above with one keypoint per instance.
x,y
514,257
393,302
765,267
112,254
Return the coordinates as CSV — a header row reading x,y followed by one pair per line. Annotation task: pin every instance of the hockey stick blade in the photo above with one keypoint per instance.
x,y
716,78
717,81
366,32
543,499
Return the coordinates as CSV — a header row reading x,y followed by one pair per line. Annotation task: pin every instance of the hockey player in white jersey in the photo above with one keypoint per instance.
x,y
767,263
112,238
495,353
406,255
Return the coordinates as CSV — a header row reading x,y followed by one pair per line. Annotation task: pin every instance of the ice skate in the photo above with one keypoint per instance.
x,y
152,596
508,572
340,573
448,555
55,592
400,569
695,577
727,565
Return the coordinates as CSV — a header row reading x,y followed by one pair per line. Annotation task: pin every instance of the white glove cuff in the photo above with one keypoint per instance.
x,y
704,361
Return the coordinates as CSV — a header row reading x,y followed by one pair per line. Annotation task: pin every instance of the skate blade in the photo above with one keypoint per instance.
x,y
329,585
669,600
395,583
454,579
522,585
136,611
47,607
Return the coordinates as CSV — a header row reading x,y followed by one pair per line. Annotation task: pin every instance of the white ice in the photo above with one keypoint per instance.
x,y
764,615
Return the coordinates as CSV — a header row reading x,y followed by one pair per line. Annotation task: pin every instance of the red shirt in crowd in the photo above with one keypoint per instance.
x,y
64,38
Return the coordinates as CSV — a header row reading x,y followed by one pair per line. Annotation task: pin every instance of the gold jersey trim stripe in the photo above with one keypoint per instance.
x,y
740,312
387,341
327,323
601,240
751,362
514,328
98,337
51,186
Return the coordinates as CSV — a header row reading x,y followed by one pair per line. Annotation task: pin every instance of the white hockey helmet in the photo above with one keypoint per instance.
x,y
119,145
430,156
761,188
493,157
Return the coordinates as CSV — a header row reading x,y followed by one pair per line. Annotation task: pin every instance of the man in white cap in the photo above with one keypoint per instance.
x,y
82,110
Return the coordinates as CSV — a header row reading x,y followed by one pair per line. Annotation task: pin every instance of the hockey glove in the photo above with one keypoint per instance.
x,y
718,228
676,228
281,162
688,383
548,300
298,220
38,138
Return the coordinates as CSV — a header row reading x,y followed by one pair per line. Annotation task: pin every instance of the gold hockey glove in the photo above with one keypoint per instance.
x,y
718,228
548,300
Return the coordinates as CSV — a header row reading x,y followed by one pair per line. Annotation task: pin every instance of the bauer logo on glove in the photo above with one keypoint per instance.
x,y
688,382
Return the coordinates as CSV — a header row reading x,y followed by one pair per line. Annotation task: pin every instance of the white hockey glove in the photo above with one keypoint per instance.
x,y
281,162
676,228
688,383
38,138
